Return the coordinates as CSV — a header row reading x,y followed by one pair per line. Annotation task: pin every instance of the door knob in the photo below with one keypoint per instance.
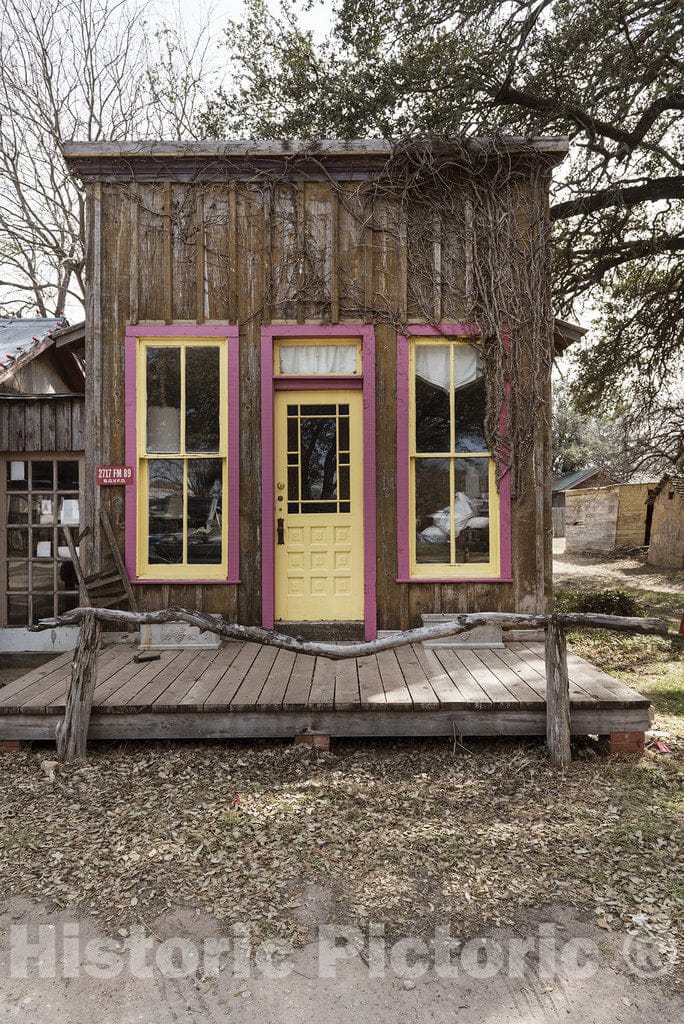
x,y
280,523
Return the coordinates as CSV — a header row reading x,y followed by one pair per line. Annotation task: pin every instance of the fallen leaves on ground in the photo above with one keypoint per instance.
x,y
405,833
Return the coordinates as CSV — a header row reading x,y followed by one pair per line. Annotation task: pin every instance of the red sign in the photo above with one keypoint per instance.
x,y
113,475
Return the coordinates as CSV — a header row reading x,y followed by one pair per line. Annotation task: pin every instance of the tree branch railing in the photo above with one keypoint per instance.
x,y
72,732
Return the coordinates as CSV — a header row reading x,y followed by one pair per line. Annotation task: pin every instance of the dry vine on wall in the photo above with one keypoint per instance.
x,y
472,220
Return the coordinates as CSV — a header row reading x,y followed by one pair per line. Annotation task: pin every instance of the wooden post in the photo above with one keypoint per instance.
x,y
557,694
72,732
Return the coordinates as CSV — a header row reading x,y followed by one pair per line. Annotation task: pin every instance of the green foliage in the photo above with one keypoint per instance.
x,y
609,601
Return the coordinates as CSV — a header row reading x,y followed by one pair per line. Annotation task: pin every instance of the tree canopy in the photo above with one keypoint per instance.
x,y
606,72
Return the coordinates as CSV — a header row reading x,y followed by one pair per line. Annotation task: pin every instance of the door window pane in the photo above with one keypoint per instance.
x,y
165,511
202,402
433,515
163,400
205,511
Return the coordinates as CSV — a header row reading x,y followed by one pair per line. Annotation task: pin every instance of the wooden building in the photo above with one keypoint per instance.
x,y
607,519
41,473
299,395
592,476
666,547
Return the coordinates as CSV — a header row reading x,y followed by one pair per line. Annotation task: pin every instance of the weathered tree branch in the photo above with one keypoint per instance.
x,y
254,634
670,187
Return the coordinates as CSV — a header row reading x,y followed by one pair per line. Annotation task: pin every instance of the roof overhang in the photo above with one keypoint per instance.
x,y
566,334
214,160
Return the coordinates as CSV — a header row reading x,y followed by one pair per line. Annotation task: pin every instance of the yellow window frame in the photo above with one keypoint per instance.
x,y
449,570
183,571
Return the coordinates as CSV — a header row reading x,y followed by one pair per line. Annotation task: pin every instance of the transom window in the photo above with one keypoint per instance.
x,y
41,496
454,505
317,357
182,447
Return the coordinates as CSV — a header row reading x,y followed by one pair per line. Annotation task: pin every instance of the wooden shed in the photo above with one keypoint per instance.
x,y
41,474
285,352
666,547
607,519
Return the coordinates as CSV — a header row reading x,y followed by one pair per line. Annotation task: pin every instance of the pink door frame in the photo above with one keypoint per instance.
x,y
269,384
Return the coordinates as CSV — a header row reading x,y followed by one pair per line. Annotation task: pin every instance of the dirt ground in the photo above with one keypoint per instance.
x,y
628,571
608,994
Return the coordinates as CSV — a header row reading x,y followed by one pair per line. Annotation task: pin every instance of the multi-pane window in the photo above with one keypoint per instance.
x,y
182,438
453,496
41,498
318,458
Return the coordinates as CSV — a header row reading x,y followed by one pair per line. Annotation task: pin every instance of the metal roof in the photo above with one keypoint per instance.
x,y
570,480
23,338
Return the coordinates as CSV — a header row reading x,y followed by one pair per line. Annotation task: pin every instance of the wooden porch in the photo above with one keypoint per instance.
x,y
246,690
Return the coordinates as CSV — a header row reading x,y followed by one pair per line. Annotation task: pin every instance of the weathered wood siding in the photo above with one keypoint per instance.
x,y
42,424
605,519
666,549
236,251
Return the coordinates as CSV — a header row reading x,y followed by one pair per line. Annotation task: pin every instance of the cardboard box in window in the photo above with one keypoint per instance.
x,y
176,636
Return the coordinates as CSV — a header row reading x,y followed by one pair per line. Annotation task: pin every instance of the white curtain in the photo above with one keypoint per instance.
x,y
318,359
432,365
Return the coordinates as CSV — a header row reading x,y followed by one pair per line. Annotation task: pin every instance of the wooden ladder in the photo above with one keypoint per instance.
x,y
108,587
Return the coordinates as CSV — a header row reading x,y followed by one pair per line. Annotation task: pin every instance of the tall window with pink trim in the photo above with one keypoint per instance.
x,y
453,501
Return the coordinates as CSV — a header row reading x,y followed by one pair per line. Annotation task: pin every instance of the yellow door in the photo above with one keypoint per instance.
x,y
319,506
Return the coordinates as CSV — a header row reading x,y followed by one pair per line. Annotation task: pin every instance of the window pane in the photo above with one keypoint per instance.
x,y
66,576
469,401
471,506
17,610
17,575
69,511
17,476
67,475
432,510
65,602
43,606
433,381
42,476
165,511
202,402
43,509
318,359
318,449
163,399
41,543
17,543
17,509
43,576
205,511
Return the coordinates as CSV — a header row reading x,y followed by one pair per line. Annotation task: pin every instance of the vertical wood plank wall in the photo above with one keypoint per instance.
x,y
294,252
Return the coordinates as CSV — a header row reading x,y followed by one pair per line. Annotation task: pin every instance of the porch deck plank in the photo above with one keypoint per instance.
x,y
142,689
229,682
275,687
210,678
393,682
111,691
422,694
441,682
592,689
299,683
249,690
462,678
23,682
54,688
497,692
322,693
347,694
371,690
513,683
172,696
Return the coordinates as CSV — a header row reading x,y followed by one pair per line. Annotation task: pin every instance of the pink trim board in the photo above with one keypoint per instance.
x,y
271,383
403,400
183,330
